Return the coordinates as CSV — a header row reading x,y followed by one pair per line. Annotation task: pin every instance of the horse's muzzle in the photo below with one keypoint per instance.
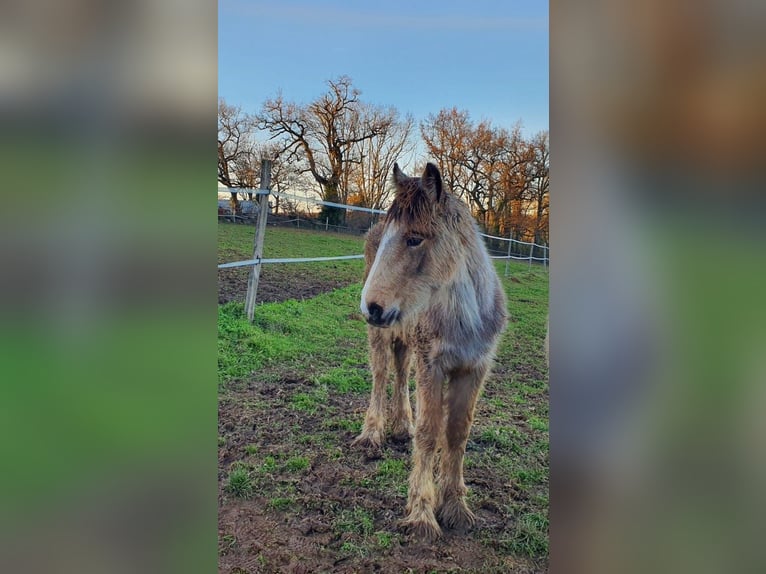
x,y
379,317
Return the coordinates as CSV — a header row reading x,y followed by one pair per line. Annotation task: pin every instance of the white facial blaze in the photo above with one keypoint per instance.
x,y
384,241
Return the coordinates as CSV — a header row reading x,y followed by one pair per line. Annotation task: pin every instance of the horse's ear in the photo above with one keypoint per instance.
x,y
399,176
431,181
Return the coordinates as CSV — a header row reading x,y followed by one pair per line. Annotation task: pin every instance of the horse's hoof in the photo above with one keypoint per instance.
x,y
422,529
455,514
402,432
370,442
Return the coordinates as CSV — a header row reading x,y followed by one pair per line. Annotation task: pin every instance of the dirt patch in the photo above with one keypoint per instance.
x,y
276,283
318,505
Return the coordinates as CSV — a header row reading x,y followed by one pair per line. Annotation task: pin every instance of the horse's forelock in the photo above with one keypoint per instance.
x,y
412,206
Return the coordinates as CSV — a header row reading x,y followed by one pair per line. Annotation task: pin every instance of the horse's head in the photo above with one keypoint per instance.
x,y
417,250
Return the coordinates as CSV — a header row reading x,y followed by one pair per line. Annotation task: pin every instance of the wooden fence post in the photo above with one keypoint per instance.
x,y
260,233
531,252
508,261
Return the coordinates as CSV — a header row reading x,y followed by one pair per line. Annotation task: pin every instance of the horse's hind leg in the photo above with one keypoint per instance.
x,y
373,432
460,401
401,410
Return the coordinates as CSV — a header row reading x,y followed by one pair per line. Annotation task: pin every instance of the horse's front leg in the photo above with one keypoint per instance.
x,y
402,428
373,432
422,499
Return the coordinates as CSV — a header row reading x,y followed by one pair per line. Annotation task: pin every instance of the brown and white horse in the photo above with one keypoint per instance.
x,y
431,291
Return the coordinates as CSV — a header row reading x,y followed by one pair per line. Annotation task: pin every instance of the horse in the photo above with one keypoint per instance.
x,y
432,292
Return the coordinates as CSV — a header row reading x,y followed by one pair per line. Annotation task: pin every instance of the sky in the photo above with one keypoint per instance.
x,y
487,57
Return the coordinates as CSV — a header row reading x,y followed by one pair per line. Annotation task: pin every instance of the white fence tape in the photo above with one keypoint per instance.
x,y
306,200
521,258
514,241
251,262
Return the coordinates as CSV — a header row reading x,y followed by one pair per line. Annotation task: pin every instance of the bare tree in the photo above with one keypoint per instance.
x,y
446,136
320,137
235,130
540,184
472,158
377,155
501,175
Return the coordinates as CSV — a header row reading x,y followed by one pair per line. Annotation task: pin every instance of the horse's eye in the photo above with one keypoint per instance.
x,y
414,241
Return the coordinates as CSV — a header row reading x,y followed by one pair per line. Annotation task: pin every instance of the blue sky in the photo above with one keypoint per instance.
x,y
487,57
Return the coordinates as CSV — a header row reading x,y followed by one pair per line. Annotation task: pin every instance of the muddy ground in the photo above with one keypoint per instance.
x,y
341,511
309,521
276,283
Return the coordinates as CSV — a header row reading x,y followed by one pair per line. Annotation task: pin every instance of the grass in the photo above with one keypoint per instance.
x,y
240,484
309,402
384,539
299,335
530,535
297,464
345,379
281,503
356,520
269,465
349,548
392,474
235,243
321,342
227,542
537,423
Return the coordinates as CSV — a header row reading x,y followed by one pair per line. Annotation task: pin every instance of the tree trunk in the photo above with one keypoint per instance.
x,y
236,209
333,215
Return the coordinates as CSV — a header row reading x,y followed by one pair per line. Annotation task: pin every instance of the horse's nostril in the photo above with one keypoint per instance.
x,y
376,312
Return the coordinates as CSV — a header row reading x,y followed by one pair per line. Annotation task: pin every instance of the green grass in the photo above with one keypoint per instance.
x,y
240,484
269,465
353,425
235,243
537,423
530,535
309,402
384,539
227,543
345,379
500,437
281,503
299,336
356,520
392,473
351,549
297,464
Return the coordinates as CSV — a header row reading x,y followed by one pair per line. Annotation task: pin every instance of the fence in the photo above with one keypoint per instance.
x,y
514,248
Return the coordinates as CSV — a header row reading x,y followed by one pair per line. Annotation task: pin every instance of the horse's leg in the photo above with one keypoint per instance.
x,y
462,392
401,410
421,500
373,432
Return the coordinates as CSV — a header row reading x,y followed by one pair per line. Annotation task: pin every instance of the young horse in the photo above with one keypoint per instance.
x,y
433,286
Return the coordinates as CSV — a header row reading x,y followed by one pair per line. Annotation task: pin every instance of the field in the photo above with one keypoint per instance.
x,y
293,281
293,390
